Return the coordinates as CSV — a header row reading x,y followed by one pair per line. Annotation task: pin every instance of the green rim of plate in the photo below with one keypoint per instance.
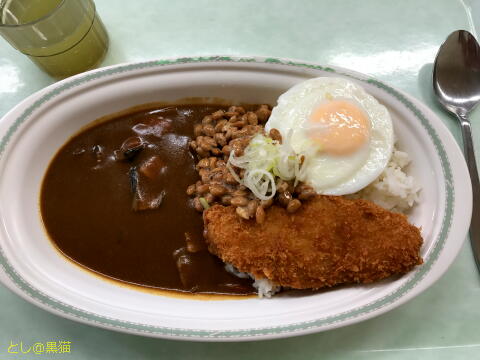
x,y
95,319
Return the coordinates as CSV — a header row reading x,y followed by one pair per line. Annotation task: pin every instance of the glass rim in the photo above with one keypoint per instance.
x,y
44,17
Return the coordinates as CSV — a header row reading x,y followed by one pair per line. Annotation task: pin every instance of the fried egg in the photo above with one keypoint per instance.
x,y
345,133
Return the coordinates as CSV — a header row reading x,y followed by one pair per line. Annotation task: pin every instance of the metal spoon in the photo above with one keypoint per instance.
x,y
456,82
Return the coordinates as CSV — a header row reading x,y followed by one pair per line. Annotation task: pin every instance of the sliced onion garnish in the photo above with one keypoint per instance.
x,y
265,159
234,174
261,183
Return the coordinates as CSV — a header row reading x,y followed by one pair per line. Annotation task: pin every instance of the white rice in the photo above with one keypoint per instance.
x,y
393,190
265,288
234,271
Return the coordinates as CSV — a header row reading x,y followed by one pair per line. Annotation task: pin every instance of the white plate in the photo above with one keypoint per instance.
x,y
33,131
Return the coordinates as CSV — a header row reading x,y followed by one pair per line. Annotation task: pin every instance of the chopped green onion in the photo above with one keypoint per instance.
x,y
204,203
265,159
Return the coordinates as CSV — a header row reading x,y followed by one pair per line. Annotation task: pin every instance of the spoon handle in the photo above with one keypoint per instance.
x,y
472,167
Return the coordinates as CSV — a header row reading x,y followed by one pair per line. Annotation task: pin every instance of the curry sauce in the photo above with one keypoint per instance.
x,y
114,201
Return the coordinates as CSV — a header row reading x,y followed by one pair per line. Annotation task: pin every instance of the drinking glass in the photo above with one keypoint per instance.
x,y
63,37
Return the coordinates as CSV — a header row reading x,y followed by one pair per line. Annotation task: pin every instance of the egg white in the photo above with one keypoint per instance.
x,y
326,173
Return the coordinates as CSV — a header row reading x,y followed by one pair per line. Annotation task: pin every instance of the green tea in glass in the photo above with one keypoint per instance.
x,y
63,37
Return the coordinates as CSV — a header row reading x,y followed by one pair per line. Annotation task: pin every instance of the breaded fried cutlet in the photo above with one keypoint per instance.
x,y
331,240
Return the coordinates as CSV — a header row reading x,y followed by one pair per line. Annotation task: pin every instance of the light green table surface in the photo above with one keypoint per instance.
x,y
395,41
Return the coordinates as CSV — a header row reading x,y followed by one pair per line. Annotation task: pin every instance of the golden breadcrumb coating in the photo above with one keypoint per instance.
x,y
331,240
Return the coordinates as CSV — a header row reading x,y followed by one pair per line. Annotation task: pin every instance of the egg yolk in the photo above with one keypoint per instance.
x,y
339,127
